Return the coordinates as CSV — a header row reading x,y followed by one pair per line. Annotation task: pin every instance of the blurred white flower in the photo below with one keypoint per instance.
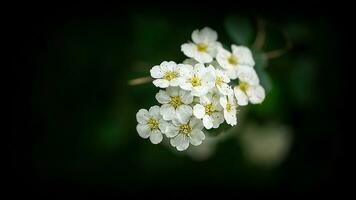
x,y
249,88
204,45
150,124
229,104
221,80
210,110
175,103
183,132
166,74
199,80
231,62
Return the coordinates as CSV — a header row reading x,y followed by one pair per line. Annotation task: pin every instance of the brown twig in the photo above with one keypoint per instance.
x,y
261,34
139,81
279,52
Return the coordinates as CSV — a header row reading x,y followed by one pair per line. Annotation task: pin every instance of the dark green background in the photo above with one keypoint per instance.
x,y
78,133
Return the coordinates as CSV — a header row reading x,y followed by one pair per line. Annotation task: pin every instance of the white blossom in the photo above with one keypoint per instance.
x,y
166,74
221,80
198,79
231,62
175,103
210,110
183,132
229,104
204,45
150,124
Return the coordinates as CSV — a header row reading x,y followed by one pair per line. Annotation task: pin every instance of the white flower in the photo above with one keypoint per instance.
x,y
175,103
229,104
204,45
199,79
231,62
210,111
221,80
150,124
166,74
185,132
245,92
249,88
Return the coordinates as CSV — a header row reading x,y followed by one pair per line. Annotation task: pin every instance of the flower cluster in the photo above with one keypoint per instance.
x,y
197,94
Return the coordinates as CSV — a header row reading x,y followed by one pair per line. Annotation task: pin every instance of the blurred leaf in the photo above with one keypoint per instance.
x,y
261,64
240,30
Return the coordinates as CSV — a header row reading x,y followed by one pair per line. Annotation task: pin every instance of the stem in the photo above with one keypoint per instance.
x,y
139,81
261,34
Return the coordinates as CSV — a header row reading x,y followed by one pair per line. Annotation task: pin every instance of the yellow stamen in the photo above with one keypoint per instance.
x,y
195,81
219,81
153,123
202,47
243,86
169,75
229,107
233,60
175,101
209,109
185,129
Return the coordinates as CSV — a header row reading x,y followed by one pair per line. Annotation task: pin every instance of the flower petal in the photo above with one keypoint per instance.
x,y
156,72
168,112
173,91
169,129
155,112
208,122
218,118
196,123
156,136
163,97
196,137
199,111
256,94
184,112
184,144
142,116
189,49
243,54
241,97
186,97
143,130
247,74
178,140
162,83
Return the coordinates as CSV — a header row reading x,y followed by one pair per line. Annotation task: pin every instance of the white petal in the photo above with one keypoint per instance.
x,y
196,123
224,89
230,117
203,57
184,144
155,112
168,112
186,86
142,116
218,118
178,140
176,82
208,122
173,91
185,69
223,101
143,130
156,72
162,83
171,65
196,137
184,112
156,136
206,35
243,55
189,49
199,111
169,129
247,74
162,97
256,94
186,97
190,61
241,97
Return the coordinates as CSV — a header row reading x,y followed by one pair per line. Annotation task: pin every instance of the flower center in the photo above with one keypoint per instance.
x,y
185,129
202,47
209,109
243,86
219,81
232,60
195,81
175,101
169,75
229,107
153,123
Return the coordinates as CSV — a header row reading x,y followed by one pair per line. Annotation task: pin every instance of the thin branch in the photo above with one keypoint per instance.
x,y
261,34
139,81
280,52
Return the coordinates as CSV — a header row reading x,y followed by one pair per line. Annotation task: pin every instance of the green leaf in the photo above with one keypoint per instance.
x,y
260,67
240,30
